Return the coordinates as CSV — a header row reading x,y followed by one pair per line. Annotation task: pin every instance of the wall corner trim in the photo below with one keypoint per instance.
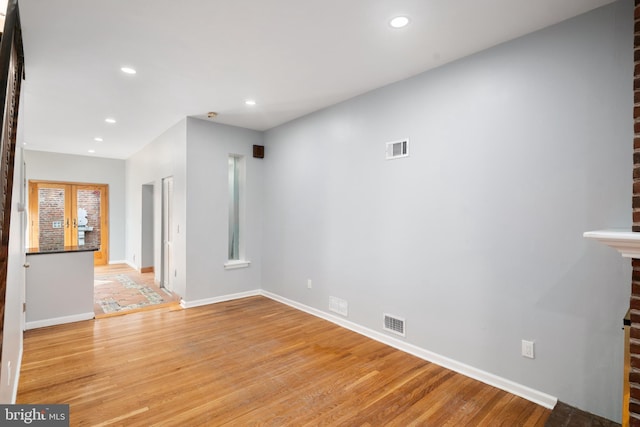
x,y
59,320
111,262
223,298
16,377
512,387
234,264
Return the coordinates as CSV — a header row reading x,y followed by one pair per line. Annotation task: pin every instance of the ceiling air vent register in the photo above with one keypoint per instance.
x,y
397,149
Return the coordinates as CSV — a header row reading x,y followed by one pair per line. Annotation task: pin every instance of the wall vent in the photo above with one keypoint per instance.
x,y
394,324
338,305
397,149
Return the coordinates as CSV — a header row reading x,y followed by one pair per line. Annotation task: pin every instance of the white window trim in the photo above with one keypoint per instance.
x,y
241,262
236,263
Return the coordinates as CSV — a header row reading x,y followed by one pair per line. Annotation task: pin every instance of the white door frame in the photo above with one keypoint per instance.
x,y
167,233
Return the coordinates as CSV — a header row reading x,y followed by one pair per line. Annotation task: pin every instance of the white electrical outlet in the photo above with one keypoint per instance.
x,y
528,349
309,284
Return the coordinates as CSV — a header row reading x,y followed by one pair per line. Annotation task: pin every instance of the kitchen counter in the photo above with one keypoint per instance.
x,y
60,249
59,285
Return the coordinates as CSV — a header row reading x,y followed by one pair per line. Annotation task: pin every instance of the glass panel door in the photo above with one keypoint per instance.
x,y
88,214
53,217
68,214
90,222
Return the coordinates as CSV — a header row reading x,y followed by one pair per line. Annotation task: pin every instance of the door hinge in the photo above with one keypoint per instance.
x,y
24,307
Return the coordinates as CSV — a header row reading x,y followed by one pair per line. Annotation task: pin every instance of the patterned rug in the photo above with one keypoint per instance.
x,y
120,292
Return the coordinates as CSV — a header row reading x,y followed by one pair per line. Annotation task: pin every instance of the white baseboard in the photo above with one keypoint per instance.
x,y
130,264
525,392
59,320
230,297
509,386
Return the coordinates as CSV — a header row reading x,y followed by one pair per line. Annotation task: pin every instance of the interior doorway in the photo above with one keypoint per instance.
x,y
147,239
69,214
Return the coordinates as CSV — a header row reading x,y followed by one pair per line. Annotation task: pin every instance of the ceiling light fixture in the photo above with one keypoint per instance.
x,y
98,139
128,70
399,22
250,102
212,114
110,120
92,151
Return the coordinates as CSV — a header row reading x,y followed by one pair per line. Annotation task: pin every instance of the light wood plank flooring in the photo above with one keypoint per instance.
x,y
252,361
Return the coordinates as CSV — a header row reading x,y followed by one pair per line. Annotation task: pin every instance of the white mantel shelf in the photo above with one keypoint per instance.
x,y
624,241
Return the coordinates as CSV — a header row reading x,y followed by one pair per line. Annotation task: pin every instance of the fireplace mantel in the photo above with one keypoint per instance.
x,y
626,242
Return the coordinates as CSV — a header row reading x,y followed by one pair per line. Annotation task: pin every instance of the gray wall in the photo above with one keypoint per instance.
x,y
476,238
15,295
59,288
200,206
95,170
208,148
164,157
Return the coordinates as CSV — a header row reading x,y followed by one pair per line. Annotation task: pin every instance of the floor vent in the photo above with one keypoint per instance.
x,y
394,324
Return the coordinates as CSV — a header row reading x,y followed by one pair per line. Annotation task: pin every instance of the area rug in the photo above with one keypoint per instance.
x,y
119,293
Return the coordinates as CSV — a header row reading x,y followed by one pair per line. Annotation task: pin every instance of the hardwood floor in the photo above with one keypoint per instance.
x,y
108,288
252,361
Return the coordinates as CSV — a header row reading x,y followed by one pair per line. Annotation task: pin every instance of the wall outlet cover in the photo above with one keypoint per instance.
x,y
338,305
528,349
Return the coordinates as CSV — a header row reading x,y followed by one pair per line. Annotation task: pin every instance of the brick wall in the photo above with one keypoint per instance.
x,y
51,209
634,373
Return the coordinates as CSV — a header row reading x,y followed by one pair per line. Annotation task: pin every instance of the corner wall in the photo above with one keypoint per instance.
x,y
163,157
12,337
475,238
208,148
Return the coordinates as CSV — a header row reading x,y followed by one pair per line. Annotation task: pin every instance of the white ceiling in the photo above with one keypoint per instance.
x,y
194,56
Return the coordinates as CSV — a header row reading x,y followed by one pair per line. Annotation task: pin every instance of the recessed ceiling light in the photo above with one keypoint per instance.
x,y
110,120
98,139
92,151
250,102
128,70
399,22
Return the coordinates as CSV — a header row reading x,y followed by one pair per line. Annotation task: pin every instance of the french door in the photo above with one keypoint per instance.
x,y
69,214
